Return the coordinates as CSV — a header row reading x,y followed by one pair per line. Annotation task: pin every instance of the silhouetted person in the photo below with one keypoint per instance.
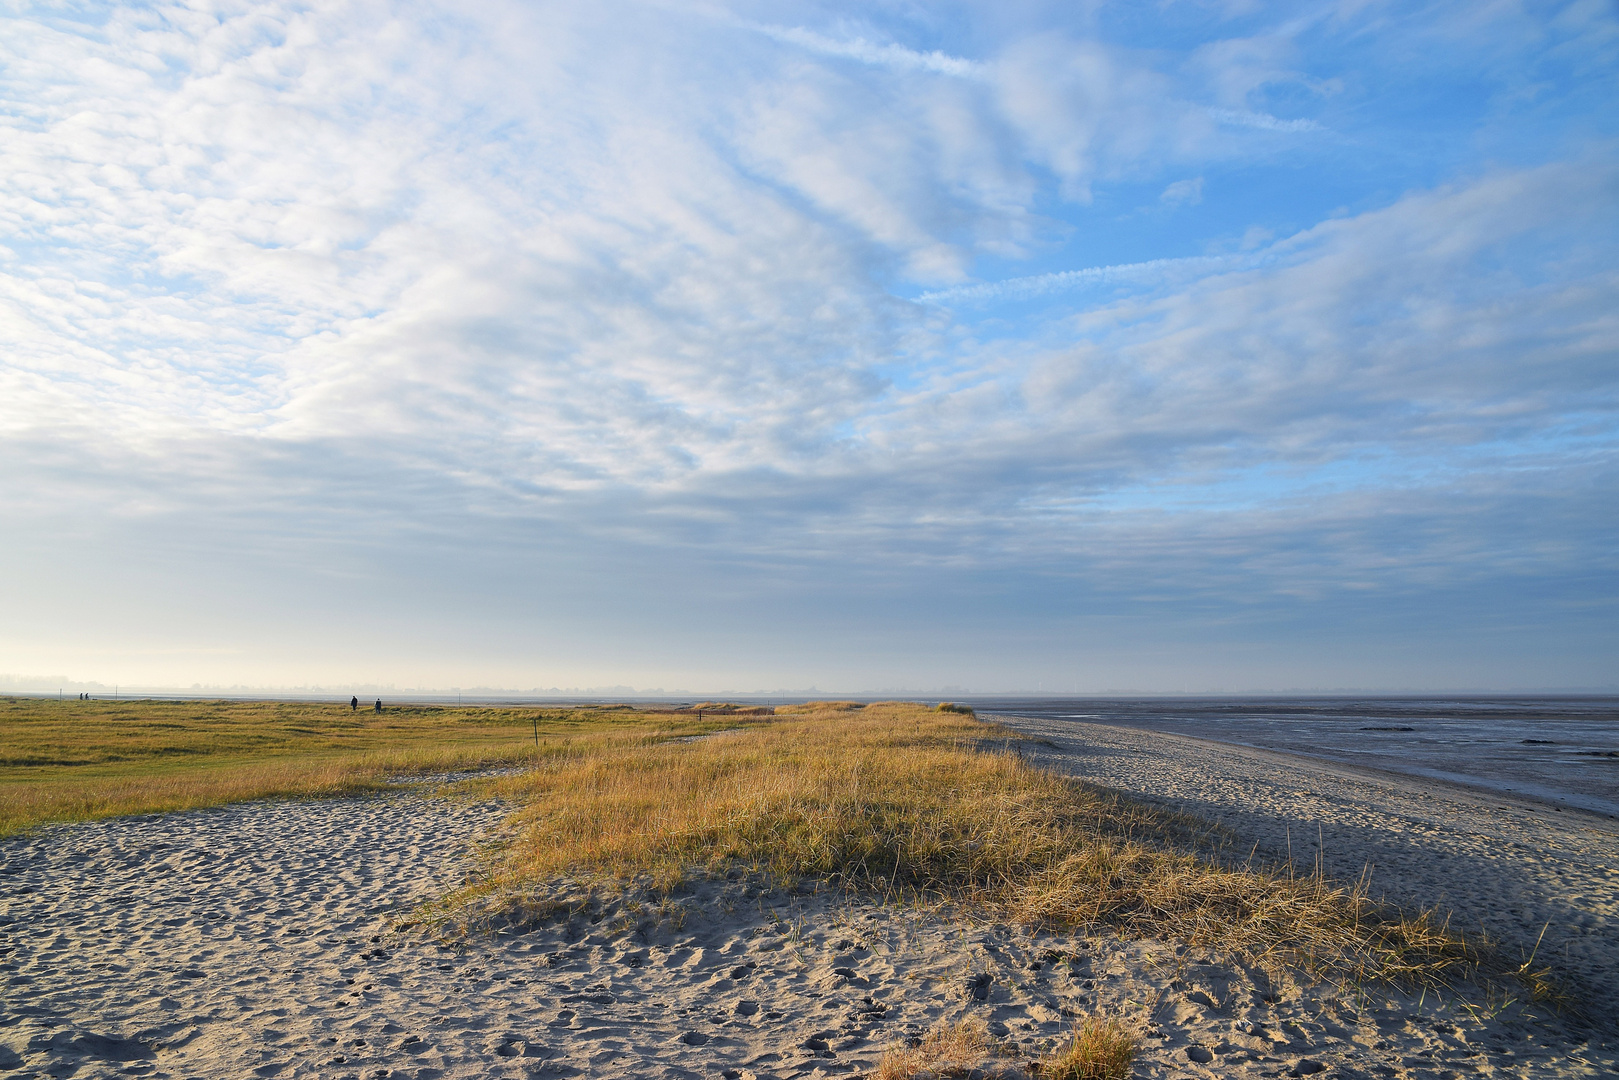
x,y
354,704
379,704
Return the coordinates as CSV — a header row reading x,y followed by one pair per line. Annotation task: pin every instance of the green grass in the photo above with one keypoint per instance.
x,y
81,760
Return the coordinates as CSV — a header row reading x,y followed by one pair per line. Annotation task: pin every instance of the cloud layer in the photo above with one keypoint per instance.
x,y
1071,322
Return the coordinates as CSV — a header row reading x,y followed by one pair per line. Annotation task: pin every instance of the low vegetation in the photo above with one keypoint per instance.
x,y
958,1050
81,760
909,802
1099,1050
899,800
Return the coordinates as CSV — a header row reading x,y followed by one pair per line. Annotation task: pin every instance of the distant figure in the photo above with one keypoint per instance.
x,y
379,704
354,704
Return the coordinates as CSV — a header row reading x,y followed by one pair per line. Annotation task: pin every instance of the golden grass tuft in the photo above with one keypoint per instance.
x,y
955,1051
907,802
1100,1050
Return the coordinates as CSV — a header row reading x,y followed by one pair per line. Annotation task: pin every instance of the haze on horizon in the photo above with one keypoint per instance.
x,y
1195,346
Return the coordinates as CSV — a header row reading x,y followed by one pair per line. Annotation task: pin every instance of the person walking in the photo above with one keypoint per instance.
x,y
354,704
379,704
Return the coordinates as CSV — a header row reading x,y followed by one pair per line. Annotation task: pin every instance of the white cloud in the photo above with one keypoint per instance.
x,y
616,278
599,295
1262,121
1085,111
889,55
1028,288
1183,193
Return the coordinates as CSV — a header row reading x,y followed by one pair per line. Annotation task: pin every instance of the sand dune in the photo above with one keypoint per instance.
x,y
265,940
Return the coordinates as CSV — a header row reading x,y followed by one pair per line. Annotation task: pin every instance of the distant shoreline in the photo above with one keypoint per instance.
x,y
979,701
1460,782
1495,744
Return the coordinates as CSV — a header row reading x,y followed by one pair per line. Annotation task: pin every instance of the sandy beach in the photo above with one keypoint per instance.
x,y
272,939
1510,867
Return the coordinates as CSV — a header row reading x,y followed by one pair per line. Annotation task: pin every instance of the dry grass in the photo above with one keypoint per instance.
x,y
909,802
894,799
954,1051
1099,1050
77,761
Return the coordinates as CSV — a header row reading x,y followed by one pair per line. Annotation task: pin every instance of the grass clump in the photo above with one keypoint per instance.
x,y
727,708
1100,1050
908,802
822,707
955,1051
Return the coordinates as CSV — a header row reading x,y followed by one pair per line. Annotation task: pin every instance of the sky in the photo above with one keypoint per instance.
x,y
993,347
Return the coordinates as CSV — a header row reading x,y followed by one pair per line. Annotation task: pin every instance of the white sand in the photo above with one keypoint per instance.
x,y
262,940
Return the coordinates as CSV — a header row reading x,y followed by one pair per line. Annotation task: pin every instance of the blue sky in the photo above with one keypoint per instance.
x,y
1175,347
